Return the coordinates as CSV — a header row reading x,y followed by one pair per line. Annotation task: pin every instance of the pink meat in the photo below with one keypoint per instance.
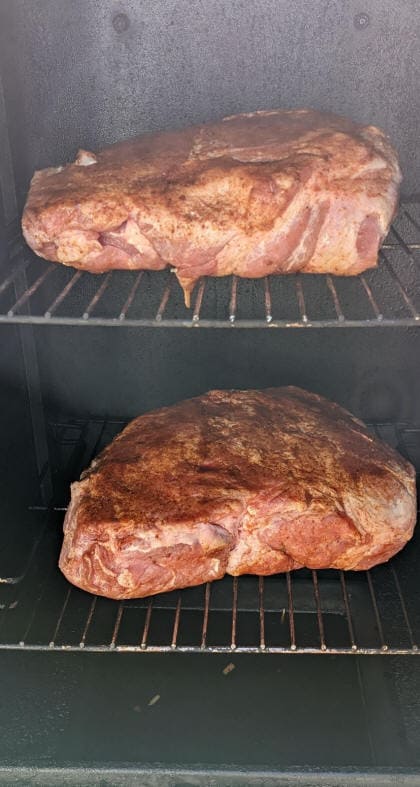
x,y
236,482
268,192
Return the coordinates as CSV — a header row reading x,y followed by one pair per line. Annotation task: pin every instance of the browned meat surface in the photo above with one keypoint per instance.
x,y
267,192
240,482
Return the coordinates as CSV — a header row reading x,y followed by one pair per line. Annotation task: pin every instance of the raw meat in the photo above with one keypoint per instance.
x,y
268,192
240,482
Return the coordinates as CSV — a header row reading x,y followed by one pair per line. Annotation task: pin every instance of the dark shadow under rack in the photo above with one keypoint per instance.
x,y
34,291
368,612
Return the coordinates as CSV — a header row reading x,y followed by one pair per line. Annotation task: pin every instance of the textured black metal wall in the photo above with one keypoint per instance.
x,y
88,72
124,373
84,73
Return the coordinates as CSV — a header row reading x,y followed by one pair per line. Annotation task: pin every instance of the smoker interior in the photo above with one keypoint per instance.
x,y
308,678
368,612
36,292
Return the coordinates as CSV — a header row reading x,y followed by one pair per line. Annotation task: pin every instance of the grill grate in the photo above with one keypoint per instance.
x,y
368,612
388,295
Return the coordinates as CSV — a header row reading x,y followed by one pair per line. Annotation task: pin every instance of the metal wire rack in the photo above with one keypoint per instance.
x,y
33,291
368,612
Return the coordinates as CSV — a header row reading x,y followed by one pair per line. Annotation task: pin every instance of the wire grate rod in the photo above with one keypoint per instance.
x,y
319,611
406,298
120,610
164,301
378,314
205,615
403,608
234,612
30,291
147,625
233,299
199,301
89,619
131,296
177,618
376,611
267,300
348,611
336,300
301,298
60,618
291,611
97,297
401,242
63,294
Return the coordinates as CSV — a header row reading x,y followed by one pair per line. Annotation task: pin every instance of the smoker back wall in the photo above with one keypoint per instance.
x,y
109,373
87,73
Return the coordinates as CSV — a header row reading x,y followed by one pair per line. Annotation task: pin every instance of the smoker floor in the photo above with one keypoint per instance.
x,y
372,612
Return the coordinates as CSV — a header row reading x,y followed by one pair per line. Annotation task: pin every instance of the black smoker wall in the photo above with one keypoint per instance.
x,y
124,372
88,72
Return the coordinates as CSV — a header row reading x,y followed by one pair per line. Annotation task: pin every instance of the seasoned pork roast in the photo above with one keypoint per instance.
x,y
268,192
236,482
